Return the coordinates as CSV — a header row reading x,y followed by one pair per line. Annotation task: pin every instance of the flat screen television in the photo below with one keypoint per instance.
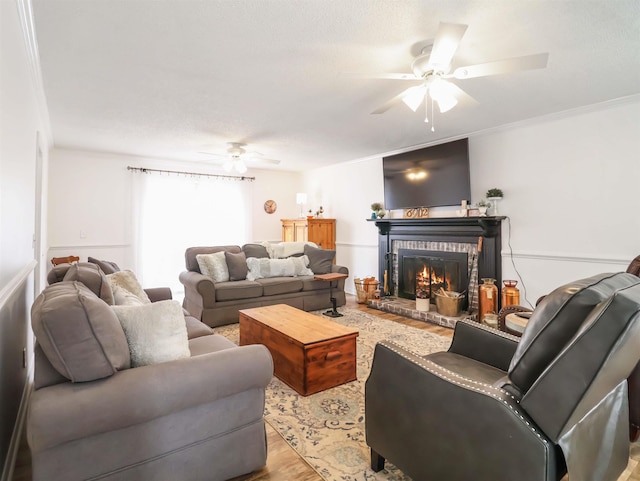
x,y
431,177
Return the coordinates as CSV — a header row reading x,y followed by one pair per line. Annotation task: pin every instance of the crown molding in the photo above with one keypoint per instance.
x,y
25,15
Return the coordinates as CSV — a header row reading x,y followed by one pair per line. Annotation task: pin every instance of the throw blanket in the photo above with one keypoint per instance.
x,y
282,250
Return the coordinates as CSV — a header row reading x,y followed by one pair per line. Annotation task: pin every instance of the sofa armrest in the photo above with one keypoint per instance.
x,y
159,294
70,411
484,344
199,286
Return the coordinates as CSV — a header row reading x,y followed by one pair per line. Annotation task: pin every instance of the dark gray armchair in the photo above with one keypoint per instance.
x,y
492,408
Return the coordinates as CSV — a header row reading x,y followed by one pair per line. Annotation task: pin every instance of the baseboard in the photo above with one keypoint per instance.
x,y
18,430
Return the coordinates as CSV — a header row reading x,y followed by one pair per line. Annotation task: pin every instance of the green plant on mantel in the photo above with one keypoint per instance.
x,y
484,203
495,192
376,206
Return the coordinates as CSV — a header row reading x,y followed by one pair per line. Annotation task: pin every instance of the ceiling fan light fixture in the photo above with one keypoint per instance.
x,y
442,92
414,96
240,167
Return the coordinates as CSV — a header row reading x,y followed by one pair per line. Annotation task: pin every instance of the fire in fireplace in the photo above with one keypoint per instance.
x,y
424,272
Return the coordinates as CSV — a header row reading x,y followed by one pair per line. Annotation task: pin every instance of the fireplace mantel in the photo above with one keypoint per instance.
x,y
486,232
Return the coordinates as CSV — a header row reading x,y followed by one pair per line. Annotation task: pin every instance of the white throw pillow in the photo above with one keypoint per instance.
x,y
128,281
155,332
260,268
282,250
214,266
122,297
301,265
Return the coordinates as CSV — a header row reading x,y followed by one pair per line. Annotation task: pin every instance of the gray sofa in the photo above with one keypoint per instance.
x,y
218,303
92,416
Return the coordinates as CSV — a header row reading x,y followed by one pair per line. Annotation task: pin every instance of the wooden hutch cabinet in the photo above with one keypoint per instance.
x,y
320,231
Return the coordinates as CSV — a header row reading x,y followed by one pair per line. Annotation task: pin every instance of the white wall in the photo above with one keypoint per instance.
x,y
23,124
570,184
91,195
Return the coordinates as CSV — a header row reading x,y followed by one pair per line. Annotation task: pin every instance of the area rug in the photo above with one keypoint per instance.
x,y
327,429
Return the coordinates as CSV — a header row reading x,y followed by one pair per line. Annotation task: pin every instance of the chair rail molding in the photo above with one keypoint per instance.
x,y
18,280
548,256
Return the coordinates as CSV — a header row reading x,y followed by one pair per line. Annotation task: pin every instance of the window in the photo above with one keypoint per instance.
x,y
176,211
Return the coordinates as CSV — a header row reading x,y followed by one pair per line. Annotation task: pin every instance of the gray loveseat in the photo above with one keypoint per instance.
x,y
218,303
92,416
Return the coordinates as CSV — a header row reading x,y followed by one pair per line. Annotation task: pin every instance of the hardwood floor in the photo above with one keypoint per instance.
x,y
283,463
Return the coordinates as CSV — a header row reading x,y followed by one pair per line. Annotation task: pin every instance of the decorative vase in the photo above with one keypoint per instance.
x,y
510,293
373,215
494,204
488,298
422,304
482,211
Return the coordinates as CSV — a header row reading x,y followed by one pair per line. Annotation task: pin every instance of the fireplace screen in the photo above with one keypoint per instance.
x,y
425,272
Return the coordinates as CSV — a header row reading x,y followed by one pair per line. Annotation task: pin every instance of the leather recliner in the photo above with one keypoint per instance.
x,y
496,407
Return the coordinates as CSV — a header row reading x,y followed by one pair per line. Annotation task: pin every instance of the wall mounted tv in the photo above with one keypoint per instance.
x,y
431,177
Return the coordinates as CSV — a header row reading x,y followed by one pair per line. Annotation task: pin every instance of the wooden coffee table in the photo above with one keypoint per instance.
x,y
310,353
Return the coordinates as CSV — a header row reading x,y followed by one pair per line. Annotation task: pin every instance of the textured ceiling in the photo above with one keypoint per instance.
x,y
170,78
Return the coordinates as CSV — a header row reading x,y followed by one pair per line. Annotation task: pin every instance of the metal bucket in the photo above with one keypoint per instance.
x,y
449,306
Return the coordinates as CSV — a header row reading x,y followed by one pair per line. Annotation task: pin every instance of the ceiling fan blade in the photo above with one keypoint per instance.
x,y
446,43
391,102
516,64
262,160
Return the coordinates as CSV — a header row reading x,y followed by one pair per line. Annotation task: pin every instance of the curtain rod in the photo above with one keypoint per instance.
x,y
145,170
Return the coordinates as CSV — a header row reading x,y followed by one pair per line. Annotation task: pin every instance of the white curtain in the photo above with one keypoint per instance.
x,y
176,211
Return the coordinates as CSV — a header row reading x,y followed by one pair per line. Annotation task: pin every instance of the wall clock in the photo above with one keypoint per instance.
x,y
270,206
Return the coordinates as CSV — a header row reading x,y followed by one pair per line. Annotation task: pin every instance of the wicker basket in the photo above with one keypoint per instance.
x,y
365,290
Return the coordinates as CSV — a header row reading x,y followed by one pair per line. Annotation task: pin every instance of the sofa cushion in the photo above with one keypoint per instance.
x,y
280,285
128,281
107,267
155,332
237,265
255,250
195,328
234,290
214,266
190,255
261,268
92,277
320,260
79,333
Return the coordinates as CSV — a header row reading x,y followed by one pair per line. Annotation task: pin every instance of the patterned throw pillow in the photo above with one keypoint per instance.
x,y
214,266
301,265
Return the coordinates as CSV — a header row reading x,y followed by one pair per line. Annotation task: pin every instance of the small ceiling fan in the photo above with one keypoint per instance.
x,y
432,68
236,157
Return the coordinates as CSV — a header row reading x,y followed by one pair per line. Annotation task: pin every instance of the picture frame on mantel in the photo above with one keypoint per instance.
x,y
416,213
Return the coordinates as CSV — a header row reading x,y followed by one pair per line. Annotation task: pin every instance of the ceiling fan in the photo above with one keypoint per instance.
x,y
236,156
433,69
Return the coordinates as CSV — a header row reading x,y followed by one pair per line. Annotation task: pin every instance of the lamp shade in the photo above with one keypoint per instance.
x,y
301,198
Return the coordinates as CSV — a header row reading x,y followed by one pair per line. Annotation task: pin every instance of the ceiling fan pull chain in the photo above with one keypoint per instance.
x,y
433,119
426,108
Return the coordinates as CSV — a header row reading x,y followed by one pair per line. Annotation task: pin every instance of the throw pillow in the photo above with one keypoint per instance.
x,y
92,277
214,266
155,332
301,265
261,268
107,267
128,281
320,260
79,333
255,250
122,297
237,265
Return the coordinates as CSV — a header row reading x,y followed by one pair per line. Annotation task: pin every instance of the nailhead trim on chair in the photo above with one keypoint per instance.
x,y
468,383
497,332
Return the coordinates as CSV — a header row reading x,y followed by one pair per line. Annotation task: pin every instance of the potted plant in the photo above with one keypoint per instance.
x,y
378,210
494,195
483,205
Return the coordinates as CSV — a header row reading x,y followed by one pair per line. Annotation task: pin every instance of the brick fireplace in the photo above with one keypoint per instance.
x,y
459,250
